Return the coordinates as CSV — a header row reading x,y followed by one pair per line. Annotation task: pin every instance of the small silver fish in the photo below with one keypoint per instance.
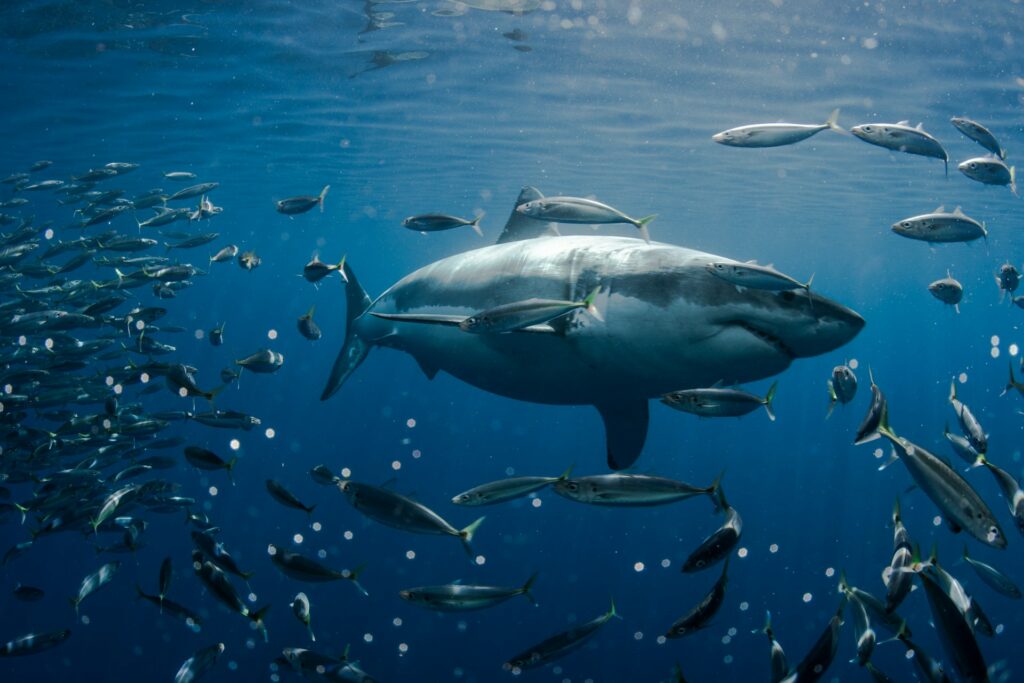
x,y
774,134
583,211
941,226
296,205
948,291
715,402
980,134
505,489
459,597
520,315
308,327
433,222
901,137
989,170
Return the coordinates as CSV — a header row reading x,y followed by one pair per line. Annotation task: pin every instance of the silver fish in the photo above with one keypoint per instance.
x,y
505,489
774,134
955,634
296,205
300,608
715,402
308,327
580,210
941,226
898,582
996,580
432,222
399,512
199,664
779,664
33,643
901,137
95,581
1011,489
194,191
630,490
521,315
979,133
948,290
459,597
263,361
842,387
302,568
750,274
989,170
968,422
699,617
559,644
719,544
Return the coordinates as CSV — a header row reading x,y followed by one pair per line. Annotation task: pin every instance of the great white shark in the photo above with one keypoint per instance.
x,y
669,324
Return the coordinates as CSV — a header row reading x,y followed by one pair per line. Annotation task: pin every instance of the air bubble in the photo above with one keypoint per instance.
x,y
854,363
638,567
297,538
995,352
807,597
536,502
270,433
742,552
347,535
410,423
271,334
235,444
773,548
410,554
213,490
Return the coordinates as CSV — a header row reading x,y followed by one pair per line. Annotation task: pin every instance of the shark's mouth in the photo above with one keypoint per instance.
x,y
766,337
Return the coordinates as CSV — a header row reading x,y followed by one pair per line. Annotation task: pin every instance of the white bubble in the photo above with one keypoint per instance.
x,y
368,637
994,352
144,377
251,597
732,630
235,444
403,648
807,597
322,554
22,340
963,378
661,640
140,324
480,559
639,635
742,552
271,334
509,471
726,640
995,340
346,472
830,572
48,344
666,562
317,526
297,538
638,567
878,453
417,453
773,548
410,423
744,606
937,520
410,554
118,389
109,381
85,619
1013,349
48,234
270,433
397,621
199,334
910,654
348,535
213,490
853,363
999,629
536,502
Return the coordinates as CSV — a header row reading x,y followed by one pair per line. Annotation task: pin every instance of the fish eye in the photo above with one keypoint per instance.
x,y
972,165
572,486
905,224
866,129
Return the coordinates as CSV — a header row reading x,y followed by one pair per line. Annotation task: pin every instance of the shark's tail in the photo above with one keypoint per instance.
x,y
355,348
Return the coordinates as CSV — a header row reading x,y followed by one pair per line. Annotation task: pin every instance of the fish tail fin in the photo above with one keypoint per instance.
x,y
213,393
1013,181
641,225
832,398
568,471
320,198
257,618
952,390
716,485
720,502
74,603
588,303
466,535
893,457
945,166
833,121
475,224
883,423
896,510
353,576
355,347
527,586
341,268
1012,383
979,461
309,313
612,612
769,397
23,510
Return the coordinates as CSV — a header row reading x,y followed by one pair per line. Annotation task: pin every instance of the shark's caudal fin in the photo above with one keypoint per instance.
x,y
625,426
355,348
521,227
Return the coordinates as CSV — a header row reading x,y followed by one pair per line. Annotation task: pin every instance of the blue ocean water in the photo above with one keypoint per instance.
x,y
423,106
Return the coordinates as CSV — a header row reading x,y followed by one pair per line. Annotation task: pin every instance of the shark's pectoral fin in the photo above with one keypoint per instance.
x,y
428,369
625,426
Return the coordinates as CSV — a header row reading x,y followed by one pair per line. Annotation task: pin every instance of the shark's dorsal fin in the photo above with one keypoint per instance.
x,y
904,122
625,426
941,208
958,211
920,126
520,227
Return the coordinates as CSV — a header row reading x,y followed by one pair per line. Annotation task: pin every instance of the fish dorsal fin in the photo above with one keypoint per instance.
x,y
457,582
942,207
625,426
920,126
904,122
770,265
958,211
752,262
520,227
